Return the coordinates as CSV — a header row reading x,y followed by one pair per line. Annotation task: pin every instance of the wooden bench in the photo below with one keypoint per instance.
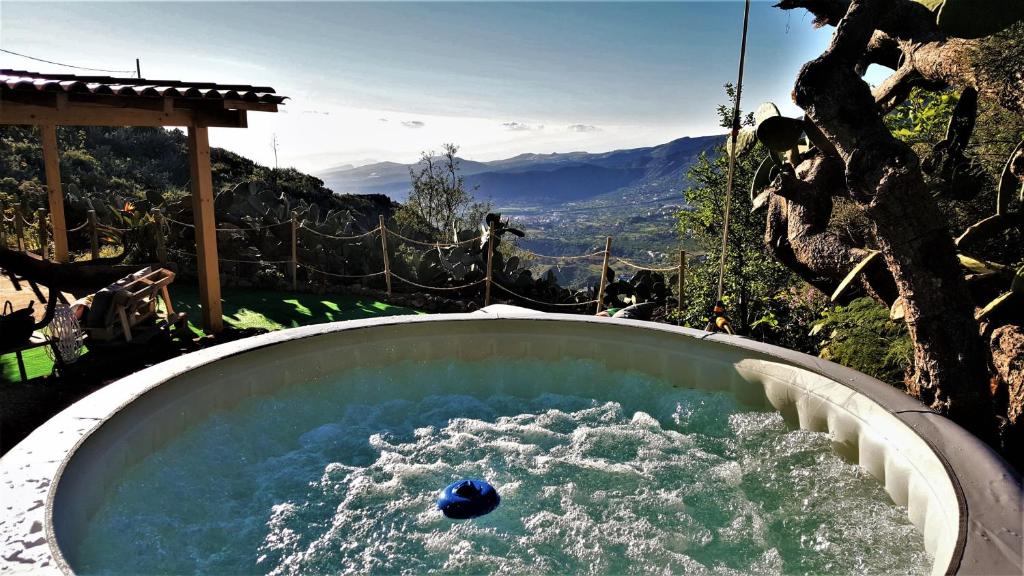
x,y
118,309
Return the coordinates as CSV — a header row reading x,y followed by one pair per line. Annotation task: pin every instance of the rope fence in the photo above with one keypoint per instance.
x,y
436,244
545,257
170,220
78,228
163,225
567,304
333,237
445,288
347,276
636,266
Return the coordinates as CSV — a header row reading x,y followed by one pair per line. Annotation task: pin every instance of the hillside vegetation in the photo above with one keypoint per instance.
x,y
103,168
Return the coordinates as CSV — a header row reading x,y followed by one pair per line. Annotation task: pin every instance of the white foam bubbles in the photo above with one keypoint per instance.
x,y
633,476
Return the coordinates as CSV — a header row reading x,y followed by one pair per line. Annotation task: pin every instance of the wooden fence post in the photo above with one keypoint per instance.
x,y
19,228
294,264
384,249
682,283
161,247
604,273
490,263
44,239
94,236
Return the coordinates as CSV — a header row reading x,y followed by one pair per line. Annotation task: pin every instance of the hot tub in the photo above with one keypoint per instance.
x,y
62,482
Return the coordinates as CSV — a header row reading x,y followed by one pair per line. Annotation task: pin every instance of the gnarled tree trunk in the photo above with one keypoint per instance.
x,y
883,177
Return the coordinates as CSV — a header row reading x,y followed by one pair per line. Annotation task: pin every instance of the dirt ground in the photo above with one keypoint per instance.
x,y
21,298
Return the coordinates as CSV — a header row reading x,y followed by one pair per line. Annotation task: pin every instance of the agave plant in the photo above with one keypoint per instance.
x,y
783,137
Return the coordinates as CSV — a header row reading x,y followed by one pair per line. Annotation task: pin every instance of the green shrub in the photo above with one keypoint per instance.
x,y
861,336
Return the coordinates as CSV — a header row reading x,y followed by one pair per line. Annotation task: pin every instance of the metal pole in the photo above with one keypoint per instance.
x,y
604,273
490,263
682,282
732,149
44,239
19,228
384,249
295,251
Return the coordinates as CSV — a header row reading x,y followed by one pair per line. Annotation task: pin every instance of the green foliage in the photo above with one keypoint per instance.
x,y
760,293
105,168
439,204
923,121
111,165
861,336
973,19
923,117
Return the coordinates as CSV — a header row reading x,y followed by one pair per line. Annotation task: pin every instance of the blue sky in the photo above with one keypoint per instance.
x,y
386,80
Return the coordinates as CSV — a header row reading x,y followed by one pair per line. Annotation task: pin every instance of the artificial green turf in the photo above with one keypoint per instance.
x,y
242,309
37,364
277,310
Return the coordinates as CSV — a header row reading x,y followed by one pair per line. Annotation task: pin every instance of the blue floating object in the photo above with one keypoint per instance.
x,y
468,498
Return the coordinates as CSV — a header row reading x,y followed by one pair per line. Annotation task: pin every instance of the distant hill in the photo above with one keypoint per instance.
x,y
543,179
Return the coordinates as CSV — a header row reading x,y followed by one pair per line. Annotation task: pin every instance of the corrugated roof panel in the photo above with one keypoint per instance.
x,y
24,80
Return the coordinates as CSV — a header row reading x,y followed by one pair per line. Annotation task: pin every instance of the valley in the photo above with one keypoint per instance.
x,y
567,203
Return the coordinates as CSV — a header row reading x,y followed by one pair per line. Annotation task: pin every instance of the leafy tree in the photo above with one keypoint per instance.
x,y
762,296
861,335
439,204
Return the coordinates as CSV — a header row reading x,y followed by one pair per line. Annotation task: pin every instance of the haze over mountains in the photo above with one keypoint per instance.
x,y
569,203
546,179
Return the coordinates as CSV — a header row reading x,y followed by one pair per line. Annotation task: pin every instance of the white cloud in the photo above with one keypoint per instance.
x,y
582,128
349,135
517,126
414,124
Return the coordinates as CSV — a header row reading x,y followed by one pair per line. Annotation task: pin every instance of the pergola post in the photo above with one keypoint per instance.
x,y
206,227
54,191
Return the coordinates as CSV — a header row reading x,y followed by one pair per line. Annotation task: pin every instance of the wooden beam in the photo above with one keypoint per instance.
x,y
81,114
54,191
254,106
206,232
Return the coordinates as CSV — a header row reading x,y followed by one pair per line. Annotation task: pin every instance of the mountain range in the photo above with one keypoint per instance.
x,y
545,179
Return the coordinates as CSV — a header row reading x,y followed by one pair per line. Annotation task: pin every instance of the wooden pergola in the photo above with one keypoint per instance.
x,y
51,100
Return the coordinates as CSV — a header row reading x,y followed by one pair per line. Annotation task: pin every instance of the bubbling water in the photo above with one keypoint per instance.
x,y
629,475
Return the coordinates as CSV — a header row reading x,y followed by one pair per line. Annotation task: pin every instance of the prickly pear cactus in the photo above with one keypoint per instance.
x,y
774,130
974,18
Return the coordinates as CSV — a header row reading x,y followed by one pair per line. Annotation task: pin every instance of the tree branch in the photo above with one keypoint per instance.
x,y
797,231
896,88
883,50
